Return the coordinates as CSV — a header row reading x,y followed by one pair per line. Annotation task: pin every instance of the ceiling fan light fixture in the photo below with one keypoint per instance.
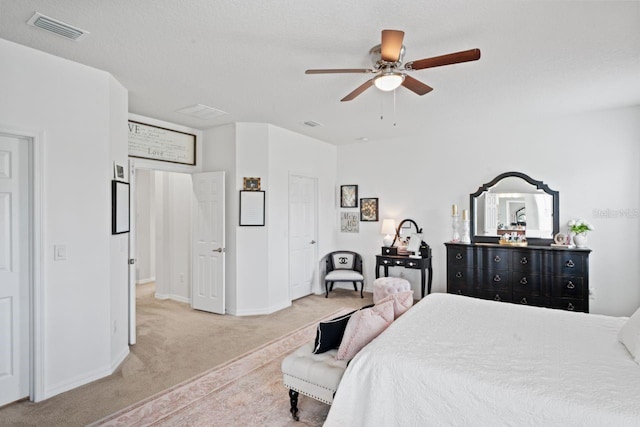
x,y
387,82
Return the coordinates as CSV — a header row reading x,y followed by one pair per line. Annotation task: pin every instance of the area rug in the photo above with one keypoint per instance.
x,y
246,391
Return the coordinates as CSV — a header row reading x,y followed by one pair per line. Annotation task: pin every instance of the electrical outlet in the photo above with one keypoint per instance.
x,y
592,294
59,252
402,274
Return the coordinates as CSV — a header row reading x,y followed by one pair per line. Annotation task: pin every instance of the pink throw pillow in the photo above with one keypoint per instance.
x,y
402,301
363,327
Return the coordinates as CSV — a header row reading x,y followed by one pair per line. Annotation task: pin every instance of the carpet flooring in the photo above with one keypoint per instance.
x,y
175,343
246,391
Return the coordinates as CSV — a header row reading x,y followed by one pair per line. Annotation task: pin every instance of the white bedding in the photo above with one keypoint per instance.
x,y
453,360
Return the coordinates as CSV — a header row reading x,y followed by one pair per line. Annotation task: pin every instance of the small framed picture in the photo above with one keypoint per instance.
x,y
119,207
348,196
251,184
349,222
369,209
118,172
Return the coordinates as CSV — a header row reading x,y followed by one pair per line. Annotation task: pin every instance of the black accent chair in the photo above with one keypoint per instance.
x,y
344,266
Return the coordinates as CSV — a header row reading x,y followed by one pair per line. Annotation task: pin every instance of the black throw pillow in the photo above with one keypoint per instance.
x,y
330,332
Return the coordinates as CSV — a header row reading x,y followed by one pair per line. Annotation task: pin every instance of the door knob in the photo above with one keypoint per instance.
x,y
220,250
313,242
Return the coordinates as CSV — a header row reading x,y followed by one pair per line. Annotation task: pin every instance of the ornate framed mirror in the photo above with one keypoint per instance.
x,y
514,203
405,230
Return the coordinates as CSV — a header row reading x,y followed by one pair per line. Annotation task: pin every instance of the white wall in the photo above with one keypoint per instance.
x,y
77,114
590,158
257,257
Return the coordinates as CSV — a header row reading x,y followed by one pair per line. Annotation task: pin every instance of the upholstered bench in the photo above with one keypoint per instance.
x,y
385,286
313,375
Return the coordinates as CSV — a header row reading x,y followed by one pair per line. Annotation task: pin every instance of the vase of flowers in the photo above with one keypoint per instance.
x,y
579,228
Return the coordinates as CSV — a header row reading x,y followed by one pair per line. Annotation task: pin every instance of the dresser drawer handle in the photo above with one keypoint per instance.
x,y
459,274
398,262
386,261
570,264
411,264
571,307
497,298
524,301
497,258
524,260
496,278
523,281
459,256
459,292
570,285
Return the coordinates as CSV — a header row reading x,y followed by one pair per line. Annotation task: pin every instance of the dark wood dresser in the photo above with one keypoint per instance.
x,y
543,276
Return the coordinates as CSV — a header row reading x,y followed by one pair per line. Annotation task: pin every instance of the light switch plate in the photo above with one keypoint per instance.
x,y
59,252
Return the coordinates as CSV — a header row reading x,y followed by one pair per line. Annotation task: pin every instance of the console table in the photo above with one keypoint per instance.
x,y
405,261
543,276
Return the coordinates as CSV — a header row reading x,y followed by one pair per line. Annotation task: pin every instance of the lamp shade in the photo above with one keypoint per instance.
x,y
389,230
388,226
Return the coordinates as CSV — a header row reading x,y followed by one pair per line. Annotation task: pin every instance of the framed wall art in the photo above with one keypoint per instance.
x,y
158,143
369,209
250,184
348,196
251,208
349,222
118,172
119,207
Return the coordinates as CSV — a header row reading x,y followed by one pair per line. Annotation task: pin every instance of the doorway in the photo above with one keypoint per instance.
x,y
16,265
303,213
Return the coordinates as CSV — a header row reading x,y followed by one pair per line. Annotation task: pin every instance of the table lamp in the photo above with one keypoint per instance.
x,y
389,230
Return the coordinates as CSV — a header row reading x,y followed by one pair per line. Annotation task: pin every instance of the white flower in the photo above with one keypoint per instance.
x,y
571,223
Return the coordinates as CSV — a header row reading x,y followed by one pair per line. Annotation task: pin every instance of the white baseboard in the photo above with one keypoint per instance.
x,y
145,281
178,298
115,363
254,312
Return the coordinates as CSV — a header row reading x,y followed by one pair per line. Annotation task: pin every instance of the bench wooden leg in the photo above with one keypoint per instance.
x,y
293,398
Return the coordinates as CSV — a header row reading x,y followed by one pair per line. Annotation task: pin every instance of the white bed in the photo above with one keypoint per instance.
x,y
453,360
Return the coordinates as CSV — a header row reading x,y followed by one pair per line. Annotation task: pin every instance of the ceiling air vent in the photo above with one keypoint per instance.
x,y
311,123
200,111
57,27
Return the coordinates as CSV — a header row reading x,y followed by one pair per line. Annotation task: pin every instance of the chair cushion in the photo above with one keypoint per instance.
x,y
343,260
363,326
343,276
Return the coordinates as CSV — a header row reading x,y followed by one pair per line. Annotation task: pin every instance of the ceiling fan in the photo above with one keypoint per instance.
x,y
387,65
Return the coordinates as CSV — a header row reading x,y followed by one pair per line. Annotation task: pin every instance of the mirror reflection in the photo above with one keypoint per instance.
x,y
514,206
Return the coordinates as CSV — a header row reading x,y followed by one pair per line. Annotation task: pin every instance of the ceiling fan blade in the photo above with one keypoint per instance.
x,y
339,70
438,61
366,85
416,86
391,45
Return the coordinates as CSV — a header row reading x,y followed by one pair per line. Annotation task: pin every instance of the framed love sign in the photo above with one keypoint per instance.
x,y
157,143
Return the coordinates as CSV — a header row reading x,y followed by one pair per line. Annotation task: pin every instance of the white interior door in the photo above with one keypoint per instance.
x,y
132,252
14,268
302,235
208,250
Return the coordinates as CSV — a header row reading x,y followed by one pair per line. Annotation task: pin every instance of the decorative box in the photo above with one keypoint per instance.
x,y
389,250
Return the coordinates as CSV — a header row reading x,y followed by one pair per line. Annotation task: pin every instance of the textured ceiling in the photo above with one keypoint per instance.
x,y
248,58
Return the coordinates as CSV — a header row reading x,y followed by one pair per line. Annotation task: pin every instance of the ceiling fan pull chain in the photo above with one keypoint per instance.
x,y
381,108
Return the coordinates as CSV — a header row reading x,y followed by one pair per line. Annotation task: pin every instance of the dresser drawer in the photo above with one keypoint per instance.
x,y
460,277
494,259
570,304
526,299
502,296
460,256
528,283
391,262
568,286
413,263
526,261
461,289
494,280
569,264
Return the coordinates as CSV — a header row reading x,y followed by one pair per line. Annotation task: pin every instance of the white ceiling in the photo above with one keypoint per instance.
x,y
248,58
